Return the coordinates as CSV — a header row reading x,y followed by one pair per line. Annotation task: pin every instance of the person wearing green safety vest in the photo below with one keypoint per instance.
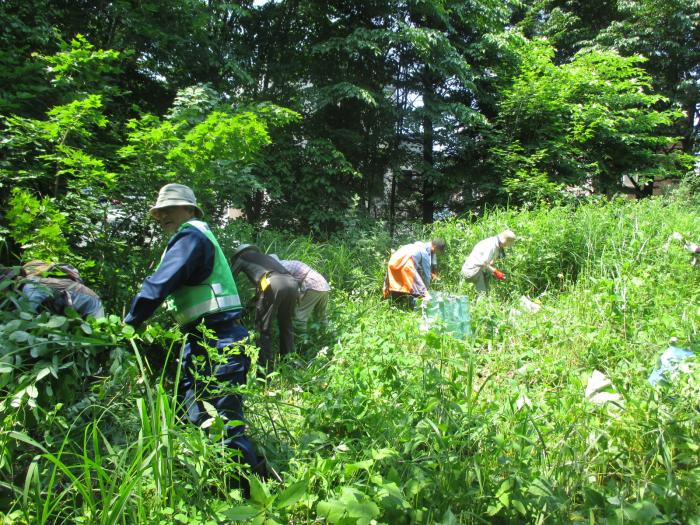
x,y
196,283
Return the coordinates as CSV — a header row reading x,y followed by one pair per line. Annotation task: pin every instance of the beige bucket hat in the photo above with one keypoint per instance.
x,y
506,237
176,195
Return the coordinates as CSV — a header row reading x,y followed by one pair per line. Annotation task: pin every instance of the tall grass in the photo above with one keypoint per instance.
x,y
497,429
123,461
375,420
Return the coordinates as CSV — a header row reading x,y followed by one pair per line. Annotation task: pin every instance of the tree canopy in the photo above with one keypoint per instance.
x,y
311,116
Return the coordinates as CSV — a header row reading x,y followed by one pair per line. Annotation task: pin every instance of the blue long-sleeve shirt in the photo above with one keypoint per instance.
x,y
188,260
422,258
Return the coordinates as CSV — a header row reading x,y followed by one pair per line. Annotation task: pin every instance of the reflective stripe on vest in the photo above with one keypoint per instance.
x,y
217,293
217,304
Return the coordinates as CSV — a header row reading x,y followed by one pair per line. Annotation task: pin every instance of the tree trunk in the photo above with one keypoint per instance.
x,y
401,103
392,204
428,187
253,207
428,204
693,114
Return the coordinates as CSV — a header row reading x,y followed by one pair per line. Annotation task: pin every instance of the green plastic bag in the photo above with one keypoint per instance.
x,y
447,314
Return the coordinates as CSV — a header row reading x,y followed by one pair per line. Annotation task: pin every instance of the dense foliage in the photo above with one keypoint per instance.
x,y
334,128
584,122
395,109
375,420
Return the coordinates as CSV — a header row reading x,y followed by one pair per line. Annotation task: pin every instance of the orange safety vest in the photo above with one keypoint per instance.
x,y
402,276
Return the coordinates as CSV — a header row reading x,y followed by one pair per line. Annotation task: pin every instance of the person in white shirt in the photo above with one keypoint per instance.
x,y
478,267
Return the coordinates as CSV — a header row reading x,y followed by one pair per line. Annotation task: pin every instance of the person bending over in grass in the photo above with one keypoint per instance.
x,y
276,295
195,278
478,266
55,287
314,290
410,269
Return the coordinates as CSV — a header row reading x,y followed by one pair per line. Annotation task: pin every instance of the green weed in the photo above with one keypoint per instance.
x,y
374,421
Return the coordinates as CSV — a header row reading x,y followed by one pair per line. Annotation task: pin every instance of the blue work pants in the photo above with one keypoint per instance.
x,y
204,379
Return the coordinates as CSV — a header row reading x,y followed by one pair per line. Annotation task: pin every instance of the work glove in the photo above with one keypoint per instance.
x,y
498,274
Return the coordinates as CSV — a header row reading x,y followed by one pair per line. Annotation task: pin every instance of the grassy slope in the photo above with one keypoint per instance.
x,y
374,420
438,420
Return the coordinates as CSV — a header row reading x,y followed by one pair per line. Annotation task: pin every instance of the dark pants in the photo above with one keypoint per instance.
x,y
402,299
278,300
213,383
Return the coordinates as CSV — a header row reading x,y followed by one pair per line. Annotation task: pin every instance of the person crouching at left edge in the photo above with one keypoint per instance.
x,y
195,278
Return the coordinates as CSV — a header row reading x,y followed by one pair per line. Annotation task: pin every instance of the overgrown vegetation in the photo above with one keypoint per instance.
x,y
335,128
395,109
374,420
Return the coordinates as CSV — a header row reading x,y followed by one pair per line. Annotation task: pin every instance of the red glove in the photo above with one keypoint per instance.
x,y
498,274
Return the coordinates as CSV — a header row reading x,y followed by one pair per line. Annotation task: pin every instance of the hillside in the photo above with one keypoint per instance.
x,y
374,421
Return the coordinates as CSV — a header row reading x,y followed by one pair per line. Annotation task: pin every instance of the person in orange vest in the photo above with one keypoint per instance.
x,y
410,270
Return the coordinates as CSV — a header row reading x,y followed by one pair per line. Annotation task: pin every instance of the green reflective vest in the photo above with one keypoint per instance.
x,y
217,293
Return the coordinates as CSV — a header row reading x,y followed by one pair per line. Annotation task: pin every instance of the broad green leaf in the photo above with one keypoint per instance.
x,y
367,509
210,409
332,510
359,465
641,512
258,492
383,453
492,510
207,423
43,373
56,321
292,494
517,505
539,488
20,336
241,513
